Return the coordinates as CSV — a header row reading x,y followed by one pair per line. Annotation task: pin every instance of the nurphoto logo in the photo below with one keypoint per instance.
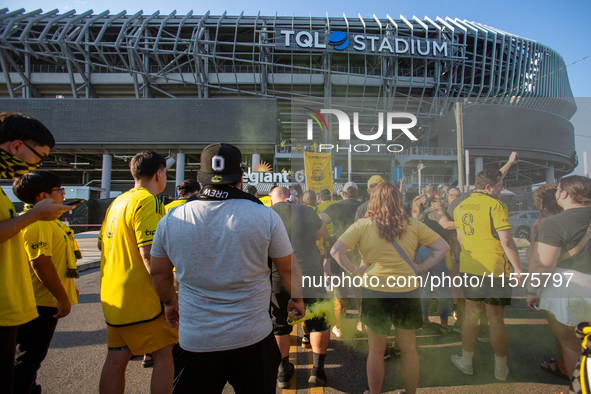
x,y
394,121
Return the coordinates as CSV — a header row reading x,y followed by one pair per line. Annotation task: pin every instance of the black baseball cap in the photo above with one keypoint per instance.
x,y
325,193
250,189
221,164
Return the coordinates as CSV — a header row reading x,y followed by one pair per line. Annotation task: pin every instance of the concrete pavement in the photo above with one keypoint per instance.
x,y
74,362
91,256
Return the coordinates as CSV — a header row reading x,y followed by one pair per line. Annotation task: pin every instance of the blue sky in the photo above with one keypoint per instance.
x,y
563,26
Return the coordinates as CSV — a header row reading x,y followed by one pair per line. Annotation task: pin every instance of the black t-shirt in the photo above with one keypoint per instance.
x,y
565,230
302,225
438,228
342,215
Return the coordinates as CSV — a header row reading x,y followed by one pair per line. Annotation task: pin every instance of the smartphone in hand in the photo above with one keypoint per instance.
x,y
73,202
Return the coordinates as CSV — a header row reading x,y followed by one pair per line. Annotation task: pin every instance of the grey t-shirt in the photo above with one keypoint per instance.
x,y
220,250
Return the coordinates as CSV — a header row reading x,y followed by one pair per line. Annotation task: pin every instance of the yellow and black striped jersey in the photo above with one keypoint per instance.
x,y
479,218
127,292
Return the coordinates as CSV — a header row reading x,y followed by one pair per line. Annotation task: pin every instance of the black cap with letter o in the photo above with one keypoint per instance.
x,y
221,164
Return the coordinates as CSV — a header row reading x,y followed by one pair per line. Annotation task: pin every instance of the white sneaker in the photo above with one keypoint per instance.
x,y
457,361
336,332
501,374
360,327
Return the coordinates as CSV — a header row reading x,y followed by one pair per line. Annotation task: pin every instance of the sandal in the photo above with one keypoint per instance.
x,y
148,361
547,366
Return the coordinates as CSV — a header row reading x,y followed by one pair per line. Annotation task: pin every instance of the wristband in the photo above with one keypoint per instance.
x,y
530,293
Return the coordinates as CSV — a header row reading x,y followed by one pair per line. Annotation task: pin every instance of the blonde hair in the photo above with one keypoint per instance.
x,y
386,211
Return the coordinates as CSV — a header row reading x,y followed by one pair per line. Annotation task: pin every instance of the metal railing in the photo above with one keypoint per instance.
x,y
229,68
426,151
299,148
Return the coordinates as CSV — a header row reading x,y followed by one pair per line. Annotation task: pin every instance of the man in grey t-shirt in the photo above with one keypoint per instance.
x,y
220,245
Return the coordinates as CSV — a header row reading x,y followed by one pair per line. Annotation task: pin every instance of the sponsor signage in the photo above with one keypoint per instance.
x,y
397,174
339,41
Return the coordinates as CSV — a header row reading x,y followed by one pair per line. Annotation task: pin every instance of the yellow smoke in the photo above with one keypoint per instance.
x,y
321,308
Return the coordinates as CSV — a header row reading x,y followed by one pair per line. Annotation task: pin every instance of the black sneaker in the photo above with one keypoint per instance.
x,y
284,379
317,376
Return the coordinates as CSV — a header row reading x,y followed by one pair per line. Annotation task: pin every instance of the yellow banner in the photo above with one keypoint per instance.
x,y
318,171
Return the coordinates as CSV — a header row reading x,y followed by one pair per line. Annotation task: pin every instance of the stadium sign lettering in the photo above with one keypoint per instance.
x,y
340,41
256,177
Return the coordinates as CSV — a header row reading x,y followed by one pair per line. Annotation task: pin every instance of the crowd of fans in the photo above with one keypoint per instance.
x,y
187,285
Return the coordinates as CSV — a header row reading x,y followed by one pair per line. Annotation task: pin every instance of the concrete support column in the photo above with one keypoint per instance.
x,y
106,176
550,174
180,168
478,164
256,158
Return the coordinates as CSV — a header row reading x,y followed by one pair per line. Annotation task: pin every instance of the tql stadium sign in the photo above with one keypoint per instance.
x,y
339,41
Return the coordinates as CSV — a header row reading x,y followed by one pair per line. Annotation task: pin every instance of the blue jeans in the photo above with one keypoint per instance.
x,y
443,291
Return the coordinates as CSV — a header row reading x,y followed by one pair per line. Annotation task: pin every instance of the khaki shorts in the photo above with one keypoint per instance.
x,y
142,338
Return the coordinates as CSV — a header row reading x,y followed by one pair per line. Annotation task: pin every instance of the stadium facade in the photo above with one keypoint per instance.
x,y
108,85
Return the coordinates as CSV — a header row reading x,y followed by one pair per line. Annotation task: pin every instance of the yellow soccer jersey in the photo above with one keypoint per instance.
x,y
173,204
266,200
17,300
127,292
479,218
50,239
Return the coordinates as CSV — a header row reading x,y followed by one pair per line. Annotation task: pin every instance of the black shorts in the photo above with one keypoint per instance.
x,y
497,294
279,301
208,372
402,311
